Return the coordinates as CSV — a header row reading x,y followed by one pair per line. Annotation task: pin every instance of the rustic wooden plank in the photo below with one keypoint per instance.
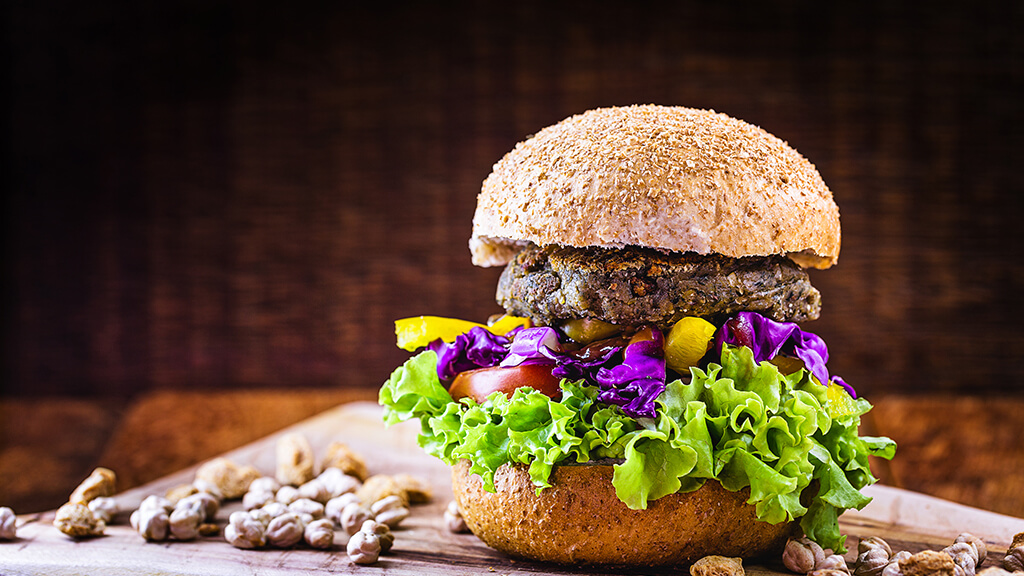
x,y
423,546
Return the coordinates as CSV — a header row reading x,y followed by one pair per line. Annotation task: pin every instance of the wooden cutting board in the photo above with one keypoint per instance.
x,y
907,520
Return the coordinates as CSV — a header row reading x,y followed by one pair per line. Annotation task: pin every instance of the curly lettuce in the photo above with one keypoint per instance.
x,y
738,422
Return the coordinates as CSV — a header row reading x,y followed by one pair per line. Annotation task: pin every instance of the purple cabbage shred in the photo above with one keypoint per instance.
x,y
478,348
633,385
639,380
537,345
768,338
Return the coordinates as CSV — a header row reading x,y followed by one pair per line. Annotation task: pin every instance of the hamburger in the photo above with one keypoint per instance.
x,y
647,397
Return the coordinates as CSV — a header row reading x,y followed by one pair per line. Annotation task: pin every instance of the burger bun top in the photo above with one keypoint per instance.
x,y
670,178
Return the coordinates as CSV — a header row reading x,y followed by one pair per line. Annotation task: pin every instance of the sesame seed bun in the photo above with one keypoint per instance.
x,y
579,520
662,177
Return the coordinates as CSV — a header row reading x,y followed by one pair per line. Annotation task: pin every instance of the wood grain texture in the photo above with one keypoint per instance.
x,y
423,546
220,195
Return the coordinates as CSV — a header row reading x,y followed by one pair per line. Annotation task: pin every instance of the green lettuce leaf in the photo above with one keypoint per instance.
x,y
739,422
414,390
652,469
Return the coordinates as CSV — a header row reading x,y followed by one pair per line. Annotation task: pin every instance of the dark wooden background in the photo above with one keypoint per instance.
x,y
212,195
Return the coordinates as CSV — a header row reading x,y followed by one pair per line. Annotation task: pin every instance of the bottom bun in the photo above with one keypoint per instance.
x,y
579,520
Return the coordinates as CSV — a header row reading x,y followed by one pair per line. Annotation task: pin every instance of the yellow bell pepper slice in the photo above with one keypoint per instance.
x,y
418,331
839,401
507,323
687,342
587,330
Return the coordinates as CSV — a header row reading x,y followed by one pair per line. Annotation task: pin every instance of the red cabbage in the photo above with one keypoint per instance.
x,y
638,380
633,384
583,364
541,345
537,345
768,338
478,348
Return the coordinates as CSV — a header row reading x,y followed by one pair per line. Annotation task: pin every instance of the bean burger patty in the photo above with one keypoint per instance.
x,y
634,286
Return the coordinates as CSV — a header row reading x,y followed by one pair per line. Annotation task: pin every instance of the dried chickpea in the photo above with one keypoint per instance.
x,y
801,555
180,491
379,487
287,494
387,538
77,521
8,524
257,499
204,503
265,516
833,562
272,509
337,482
717,566
307,507
453,518
315,490
390,511
184,522
965,558
372,540
873,543
335,506
104,508
294,460
871,562
364,548
353,516
980,549
928,563
152,523
230,479
285,531
416,489
245,531
265,484
320,534
151,517
101,482
1014,559
341,457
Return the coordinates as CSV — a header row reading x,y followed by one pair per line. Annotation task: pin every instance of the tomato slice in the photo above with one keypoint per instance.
x,y
480,383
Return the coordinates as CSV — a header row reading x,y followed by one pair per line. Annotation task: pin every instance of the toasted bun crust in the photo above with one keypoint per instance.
x,y
579,520
660,177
